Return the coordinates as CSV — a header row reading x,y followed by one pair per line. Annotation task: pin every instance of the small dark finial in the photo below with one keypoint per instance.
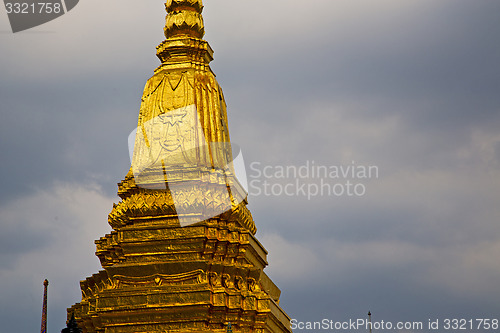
x,y
370,320
72,326
46,282
229,329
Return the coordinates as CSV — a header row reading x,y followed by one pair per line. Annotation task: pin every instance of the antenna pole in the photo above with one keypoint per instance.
x,y
370,320
44,307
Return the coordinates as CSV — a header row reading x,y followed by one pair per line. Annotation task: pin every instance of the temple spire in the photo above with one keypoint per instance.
x,y
182,255
44,307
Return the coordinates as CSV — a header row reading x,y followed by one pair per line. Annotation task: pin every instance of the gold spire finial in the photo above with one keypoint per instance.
x,y
184,18
184,31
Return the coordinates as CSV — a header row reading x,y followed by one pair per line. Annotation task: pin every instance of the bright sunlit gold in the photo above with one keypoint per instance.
x,y
159,276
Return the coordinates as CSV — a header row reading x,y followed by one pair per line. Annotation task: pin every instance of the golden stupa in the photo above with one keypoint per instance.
x,y
182,256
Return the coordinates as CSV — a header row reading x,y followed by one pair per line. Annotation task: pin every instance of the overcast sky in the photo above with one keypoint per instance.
x,y
411,87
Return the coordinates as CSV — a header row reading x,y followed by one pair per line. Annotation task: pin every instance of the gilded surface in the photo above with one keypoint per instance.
x,y
182,256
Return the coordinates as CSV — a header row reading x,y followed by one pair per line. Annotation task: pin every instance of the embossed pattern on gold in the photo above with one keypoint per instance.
x,y
159,277
184,18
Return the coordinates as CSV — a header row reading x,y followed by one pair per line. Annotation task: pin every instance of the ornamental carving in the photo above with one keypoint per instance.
x,y
194,277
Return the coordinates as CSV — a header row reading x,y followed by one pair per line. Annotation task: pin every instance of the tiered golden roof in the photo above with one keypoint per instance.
x,y
161,276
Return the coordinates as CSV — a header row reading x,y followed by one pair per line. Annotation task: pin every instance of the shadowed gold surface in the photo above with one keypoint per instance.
x,y
158,276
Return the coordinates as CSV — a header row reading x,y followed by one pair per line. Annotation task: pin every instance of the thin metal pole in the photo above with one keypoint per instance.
x,y
44,307
370,320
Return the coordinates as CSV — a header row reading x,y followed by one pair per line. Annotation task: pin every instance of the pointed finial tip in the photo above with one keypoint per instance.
x,y
369,313
72,325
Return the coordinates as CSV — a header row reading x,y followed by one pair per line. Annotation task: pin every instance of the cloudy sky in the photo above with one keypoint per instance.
x,y
411,87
